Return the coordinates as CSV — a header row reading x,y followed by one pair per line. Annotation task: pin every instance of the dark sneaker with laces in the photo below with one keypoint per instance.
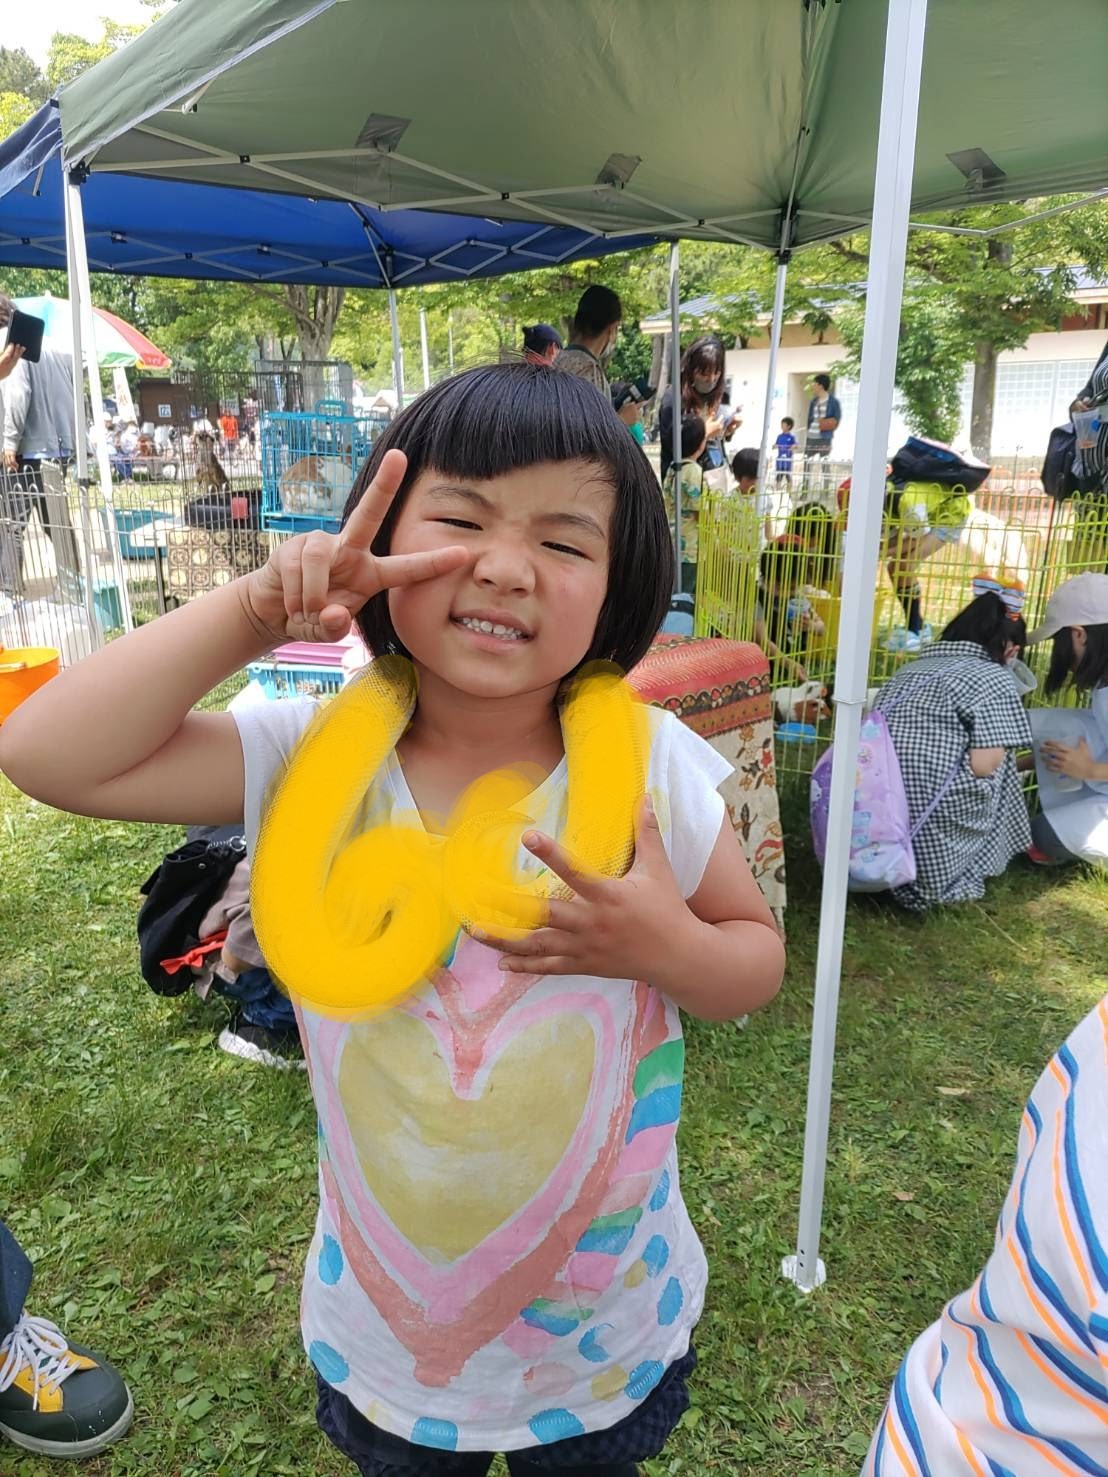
x,y
58,1399
279,1049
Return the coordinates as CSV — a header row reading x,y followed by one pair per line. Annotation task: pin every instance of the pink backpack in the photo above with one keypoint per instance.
x,y
882,855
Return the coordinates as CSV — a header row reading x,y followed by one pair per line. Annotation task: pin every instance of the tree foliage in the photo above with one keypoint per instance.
x,y
19,73
968,297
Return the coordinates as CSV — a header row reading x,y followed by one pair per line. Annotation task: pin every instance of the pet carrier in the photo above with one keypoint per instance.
x,y
309,463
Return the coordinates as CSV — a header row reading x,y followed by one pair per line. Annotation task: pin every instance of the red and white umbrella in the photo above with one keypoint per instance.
x,y
118,344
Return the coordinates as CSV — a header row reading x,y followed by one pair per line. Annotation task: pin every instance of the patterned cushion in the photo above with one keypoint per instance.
x,y
722,690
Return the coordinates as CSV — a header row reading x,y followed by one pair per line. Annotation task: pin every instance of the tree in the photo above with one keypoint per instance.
x,y
19,73
315,312
970,297
71,54
931,355
15,108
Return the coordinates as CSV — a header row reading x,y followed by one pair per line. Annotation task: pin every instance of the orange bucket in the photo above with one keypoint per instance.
x,y
22,670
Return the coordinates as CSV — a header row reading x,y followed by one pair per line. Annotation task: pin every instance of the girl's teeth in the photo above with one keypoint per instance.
x,y
487,628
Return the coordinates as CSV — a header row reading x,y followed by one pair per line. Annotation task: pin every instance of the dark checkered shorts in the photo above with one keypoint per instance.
x,y
615,1452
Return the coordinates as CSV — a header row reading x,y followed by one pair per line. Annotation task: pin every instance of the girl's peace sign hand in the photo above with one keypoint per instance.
x,y
313,585
625,928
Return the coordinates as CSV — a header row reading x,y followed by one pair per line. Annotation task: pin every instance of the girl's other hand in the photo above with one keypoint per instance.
x,y
1075,761
315,584
612,928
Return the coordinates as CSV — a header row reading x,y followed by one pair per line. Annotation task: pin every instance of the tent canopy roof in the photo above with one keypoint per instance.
x,y
598,113
177,228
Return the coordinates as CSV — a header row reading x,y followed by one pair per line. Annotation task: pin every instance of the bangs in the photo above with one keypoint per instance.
x,y
502,418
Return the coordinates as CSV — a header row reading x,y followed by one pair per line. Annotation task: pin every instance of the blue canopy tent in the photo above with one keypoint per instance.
x,y
146,226
174,228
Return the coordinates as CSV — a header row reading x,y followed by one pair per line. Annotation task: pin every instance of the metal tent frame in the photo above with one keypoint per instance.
x,y
615,211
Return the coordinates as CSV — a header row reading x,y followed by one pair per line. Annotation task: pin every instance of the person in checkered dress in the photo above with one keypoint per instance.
x,y
956,720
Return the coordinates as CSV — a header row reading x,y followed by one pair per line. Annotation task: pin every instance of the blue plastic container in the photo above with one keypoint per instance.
x,y
128,521
797,732
289,679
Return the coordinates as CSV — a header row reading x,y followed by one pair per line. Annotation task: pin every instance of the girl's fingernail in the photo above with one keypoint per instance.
x,y
532,840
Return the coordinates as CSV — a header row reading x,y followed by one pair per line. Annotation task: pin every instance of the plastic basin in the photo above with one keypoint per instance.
x,y
23,669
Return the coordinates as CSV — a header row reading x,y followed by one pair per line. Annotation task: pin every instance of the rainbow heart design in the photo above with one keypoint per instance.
x,y
461,1221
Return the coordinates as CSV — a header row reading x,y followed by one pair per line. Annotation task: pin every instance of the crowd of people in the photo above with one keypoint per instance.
x,y
963,735
504,533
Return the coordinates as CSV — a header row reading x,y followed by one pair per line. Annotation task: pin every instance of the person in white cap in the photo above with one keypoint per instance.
x,y
1071,747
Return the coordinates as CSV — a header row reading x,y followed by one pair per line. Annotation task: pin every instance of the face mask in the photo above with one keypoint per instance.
x,y
704,386
610,347
639,433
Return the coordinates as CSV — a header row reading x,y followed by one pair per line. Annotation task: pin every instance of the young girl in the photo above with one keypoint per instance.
x,y
957,722
693,441
502,1258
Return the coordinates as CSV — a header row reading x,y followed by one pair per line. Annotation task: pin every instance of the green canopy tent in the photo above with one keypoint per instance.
x,y
610,113
616,115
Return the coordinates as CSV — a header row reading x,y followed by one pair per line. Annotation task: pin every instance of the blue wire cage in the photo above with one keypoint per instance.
x,y
309,462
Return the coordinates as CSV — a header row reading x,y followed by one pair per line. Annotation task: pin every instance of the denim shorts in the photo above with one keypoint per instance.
x,y
610,1453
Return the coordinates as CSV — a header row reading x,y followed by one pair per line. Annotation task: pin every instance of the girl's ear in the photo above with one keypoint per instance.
x,y
1080,639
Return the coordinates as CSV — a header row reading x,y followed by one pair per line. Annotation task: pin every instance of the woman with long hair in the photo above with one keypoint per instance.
x,y
703,387
1071,755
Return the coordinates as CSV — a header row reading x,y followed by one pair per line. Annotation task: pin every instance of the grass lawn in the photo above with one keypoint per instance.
x,y
167,1192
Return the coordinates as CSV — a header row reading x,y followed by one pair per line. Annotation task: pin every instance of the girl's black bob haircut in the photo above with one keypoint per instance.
x,y
988,621
502,418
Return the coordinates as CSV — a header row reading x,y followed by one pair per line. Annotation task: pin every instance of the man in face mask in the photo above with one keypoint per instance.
x,y
628,400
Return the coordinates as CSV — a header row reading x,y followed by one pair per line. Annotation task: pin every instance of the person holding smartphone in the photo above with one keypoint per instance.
x,y
38,426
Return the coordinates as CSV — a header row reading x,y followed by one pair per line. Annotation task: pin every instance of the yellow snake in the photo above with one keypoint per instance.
x,y
352,927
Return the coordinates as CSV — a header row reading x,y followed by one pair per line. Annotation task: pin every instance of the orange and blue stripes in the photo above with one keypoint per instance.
x,y
1012,1381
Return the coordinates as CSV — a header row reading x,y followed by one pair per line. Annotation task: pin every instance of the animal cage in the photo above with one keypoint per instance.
x,y
309,463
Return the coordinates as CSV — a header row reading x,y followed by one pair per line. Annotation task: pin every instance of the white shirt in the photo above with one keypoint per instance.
x,y
1079,818
502,1257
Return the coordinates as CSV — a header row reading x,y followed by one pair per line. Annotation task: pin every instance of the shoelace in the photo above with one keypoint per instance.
x,y
41,1345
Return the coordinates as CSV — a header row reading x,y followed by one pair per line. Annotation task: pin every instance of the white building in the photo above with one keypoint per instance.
x,y
1034,385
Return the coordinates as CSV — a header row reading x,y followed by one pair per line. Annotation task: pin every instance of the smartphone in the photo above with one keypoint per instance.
x,y
28,331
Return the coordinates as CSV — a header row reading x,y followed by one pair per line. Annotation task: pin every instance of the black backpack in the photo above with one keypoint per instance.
x,y
922,460
1059,479
178,894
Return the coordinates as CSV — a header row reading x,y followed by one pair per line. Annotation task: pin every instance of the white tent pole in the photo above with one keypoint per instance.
x,y
771,380
423,348
675,391
96,394
397,353
80,449
896,147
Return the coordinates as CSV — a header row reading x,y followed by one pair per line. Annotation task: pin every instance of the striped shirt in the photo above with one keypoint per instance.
x,y
1012,1381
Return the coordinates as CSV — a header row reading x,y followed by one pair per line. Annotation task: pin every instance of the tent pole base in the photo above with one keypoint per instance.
x,y
790,1270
